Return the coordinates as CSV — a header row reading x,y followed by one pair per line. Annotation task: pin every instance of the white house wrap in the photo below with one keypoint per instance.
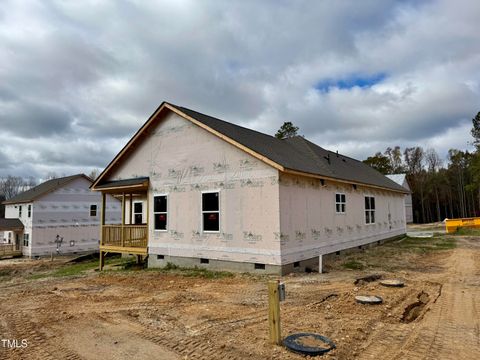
x,y
219,195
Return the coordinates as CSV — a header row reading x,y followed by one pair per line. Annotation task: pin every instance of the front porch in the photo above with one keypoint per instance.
x,y
14,228
131,235
10,250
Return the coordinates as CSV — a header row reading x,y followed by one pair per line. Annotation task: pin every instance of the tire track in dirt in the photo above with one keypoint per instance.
x,y
40,344
450,329
190,347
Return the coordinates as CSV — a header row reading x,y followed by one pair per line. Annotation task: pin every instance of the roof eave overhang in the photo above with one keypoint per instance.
x,y
316,176
123,188
11,228
17,202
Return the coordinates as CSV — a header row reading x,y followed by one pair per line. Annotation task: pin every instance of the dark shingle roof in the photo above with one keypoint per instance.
x,y
121,183
297,153
42,189
10,224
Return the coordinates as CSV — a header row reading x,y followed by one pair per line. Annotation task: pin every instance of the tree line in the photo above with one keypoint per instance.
x,y
439,190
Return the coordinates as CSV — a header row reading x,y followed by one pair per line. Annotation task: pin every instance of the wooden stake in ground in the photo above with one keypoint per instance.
x,y
274,313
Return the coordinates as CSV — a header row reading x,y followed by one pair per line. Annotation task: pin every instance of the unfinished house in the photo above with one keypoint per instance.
x,y
401,179
59,216
199,191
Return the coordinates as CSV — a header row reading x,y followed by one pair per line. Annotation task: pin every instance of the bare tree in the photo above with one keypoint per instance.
x,y
414,159
51,175
11,186
434,163
395,157
94,173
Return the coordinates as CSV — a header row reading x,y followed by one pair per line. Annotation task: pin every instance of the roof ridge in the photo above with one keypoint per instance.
x,y
43,188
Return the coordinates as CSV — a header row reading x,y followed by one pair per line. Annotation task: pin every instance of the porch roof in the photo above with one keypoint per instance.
x,y
11,225
140,183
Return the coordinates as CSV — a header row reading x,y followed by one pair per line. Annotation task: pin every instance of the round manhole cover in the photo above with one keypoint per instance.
x,y
392,282
308,344
368,299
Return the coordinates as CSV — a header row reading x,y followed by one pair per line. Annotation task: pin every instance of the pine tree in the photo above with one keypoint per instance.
x,y
476,131
287,130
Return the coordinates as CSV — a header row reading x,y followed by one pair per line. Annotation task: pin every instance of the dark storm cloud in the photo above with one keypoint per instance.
x,y
34,120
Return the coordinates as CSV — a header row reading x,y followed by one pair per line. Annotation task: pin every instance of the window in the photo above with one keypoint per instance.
x,y
204,261
29,211
210,211
259,266
160,212
93,210
138,213
160,257
20,211
340,202
369,210
25,239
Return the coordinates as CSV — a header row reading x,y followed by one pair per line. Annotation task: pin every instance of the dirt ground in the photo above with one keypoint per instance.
x,y
140,314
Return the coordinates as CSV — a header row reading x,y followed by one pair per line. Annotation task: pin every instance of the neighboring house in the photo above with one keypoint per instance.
x,y
58,214
199,191
401,179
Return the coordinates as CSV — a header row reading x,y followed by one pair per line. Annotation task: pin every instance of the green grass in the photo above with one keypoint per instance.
x,y
5,273
79,268
193,272
466,231
394,255
423,245
353,265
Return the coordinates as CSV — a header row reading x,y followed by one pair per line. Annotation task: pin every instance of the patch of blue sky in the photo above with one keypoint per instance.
x,y
355,80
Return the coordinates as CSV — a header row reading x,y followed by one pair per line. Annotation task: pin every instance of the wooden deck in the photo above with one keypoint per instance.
x,y
128,239
9,250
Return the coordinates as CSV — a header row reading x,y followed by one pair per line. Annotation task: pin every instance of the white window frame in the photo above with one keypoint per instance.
x,y
344,203
160,212
26,238
96,210
202,212
133,211
29,210
369,210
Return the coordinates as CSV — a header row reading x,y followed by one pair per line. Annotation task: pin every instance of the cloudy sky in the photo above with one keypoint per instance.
x,y
78,78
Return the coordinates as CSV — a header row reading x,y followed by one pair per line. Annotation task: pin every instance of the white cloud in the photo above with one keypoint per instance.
x,y
90,73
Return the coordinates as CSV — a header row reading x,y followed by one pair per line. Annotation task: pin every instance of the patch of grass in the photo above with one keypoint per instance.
x,y
466,231
205,273
170,266
423,245
5,273
193,272
75,269
353,265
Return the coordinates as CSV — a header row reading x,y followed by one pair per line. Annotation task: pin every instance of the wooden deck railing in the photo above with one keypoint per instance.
x,y
9,250
126,236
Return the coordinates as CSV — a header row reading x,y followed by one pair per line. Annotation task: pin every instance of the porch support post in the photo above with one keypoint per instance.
x,y
102,216
320,264
102,224
130,221
123,220
102,260
148,218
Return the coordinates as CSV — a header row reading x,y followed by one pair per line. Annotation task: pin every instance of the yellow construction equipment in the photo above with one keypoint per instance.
x,y
452,225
